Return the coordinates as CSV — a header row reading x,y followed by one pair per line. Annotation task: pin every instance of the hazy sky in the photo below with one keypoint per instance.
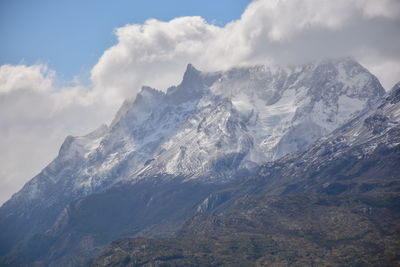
x,y
66,66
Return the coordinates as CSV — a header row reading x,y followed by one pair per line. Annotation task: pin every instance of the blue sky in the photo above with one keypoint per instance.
x,y
70,36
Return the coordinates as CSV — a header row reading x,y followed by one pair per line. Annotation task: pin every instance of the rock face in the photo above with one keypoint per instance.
x,y
205,133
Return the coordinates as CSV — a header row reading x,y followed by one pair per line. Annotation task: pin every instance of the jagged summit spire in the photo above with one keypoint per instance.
x,y
190,67
192,77
191,87
198,78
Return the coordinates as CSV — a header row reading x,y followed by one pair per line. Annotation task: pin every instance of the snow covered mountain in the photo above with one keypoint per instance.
x,y
205,129
212,124
361,156
253,115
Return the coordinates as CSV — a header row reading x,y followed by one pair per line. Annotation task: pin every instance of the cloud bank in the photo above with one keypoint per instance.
x,y
268,32
37,114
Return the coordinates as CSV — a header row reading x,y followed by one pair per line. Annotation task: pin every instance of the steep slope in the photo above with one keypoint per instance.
x,y
336,204
293,230
202,131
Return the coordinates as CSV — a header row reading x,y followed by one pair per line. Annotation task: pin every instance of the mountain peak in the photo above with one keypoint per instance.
x,y
148,91
190,67
394,94
148,94
192,78
192,86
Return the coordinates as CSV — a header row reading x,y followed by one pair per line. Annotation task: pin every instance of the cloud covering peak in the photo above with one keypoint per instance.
x,y
269,31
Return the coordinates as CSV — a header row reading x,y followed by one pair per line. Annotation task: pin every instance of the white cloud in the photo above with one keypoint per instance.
x,y
145,52
388,71
36,77
269,31
36,115
281,19
35,118
384,8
